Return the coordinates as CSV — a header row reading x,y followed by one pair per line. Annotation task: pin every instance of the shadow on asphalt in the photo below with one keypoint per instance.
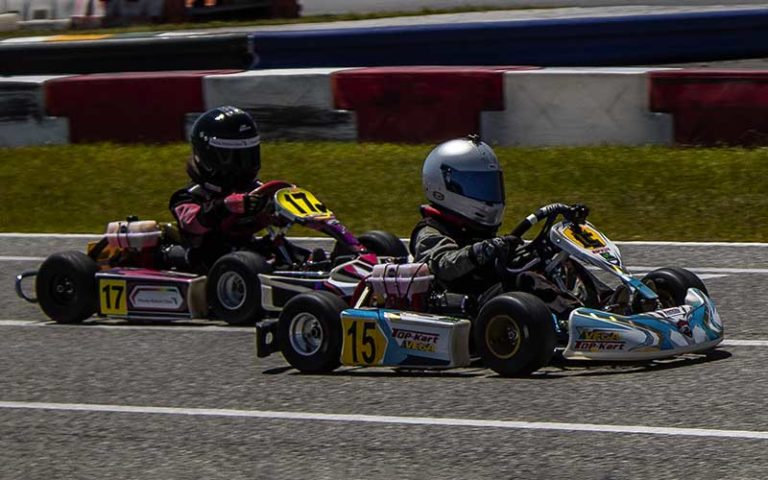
x,y
569,368
558,368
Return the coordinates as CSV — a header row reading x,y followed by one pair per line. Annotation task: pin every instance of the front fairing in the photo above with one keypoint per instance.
x,y
300,206
599,335
587,244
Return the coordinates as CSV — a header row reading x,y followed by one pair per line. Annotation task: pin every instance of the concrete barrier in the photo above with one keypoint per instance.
x,y
713,107
507,105
9,22
418,104
128,107
22,113
562,106
294,104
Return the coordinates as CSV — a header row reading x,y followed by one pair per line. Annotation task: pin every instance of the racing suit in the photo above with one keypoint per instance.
x,y
453,251
213,224
462,260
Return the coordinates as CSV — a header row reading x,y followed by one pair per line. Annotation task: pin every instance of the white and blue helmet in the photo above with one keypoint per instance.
x,y
464,176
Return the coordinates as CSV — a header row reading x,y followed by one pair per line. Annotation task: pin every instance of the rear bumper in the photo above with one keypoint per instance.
x,y
266,338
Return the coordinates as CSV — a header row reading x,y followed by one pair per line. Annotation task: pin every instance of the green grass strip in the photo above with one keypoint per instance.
x,y
648,193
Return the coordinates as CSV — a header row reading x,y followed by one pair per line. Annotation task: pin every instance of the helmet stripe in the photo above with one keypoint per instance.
x,y
235,143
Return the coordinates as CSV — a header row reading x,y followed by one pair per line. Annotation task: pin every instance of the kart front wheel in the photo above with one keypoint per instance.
x,y
515,334
671,284
309,331
66,287
233,287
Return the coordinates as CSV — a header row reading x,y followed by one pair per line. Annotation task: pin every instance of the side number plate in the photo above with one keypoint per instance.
x,y
112,297
364,342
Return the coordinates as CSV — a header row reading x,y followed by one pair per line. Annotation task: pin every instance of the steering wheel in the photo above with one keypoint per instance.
x,y
269,188
576,214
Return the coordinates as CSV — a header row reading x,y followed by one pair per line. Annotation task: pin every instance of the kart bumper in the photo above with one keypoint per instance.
x,y
266,338
19,285
599,335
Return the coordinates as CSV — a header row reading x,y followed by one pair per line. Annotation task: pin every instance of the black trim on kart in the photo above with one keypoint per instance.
x,y
266,338
19,288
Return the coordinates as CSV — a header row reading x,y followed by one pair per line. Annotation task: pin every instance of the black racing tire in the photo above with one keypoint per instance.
x,y
383,244
233,288
66,287
672,284
309,331
515,334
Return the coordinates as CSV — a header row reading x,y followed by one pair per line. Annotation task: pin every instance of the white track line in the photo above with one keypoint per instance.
x,y
705,270
6,258
391,420
692,244
745,343
50,235
162,328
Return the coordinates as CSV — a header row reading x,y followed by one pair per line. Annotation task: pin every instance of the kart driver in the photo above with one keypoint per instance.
x,y
457,235
216,212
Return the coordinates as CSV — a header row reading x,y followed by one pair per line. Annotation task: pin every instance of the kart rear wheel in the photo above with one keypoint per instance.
x,y
671,284
233,287
515,334
66,287
383,244
309,331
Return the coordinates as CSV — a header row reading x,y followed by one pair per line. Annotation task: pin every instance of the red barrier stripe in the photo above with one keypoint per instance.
x,y
127,107
714,107
419,104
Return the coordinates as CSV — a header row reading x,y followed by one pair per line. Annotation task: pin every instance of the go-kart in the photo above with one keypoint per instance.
x,y
403,318
128,273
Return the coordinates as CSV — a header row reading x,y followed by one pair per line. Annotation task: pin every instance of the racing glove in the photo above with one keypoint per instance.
x,y
241,203
235,203
487,251
254,202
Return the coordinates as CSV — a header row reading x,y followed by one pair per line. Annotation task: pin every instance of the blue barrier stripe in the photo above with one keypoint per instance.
x,y
623,40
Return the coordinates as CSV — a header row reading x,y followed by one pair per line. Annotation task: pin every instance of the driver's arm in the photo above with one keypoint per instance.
x,y
445,258
196,215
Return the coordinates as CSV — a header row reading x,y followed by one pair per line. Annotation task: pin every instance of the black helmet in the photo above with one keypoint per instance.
x,y
226,151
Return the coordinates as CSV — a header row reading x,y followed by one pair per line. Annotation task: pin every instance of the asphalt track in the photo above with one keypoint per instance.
x,y
191,400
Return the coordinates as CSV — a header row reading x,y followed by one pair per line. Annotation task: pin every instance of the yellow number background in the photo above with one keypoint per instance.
x,y
587,230
112,297
358,345
292,199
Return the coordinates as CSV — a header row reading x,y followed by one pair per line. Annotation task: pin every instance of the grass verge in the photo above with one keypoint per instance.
x,y
648,193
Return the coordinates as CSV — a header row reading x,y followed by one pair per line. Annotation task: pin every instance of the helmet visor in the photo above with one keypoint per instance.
x,y
486,186
238,156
